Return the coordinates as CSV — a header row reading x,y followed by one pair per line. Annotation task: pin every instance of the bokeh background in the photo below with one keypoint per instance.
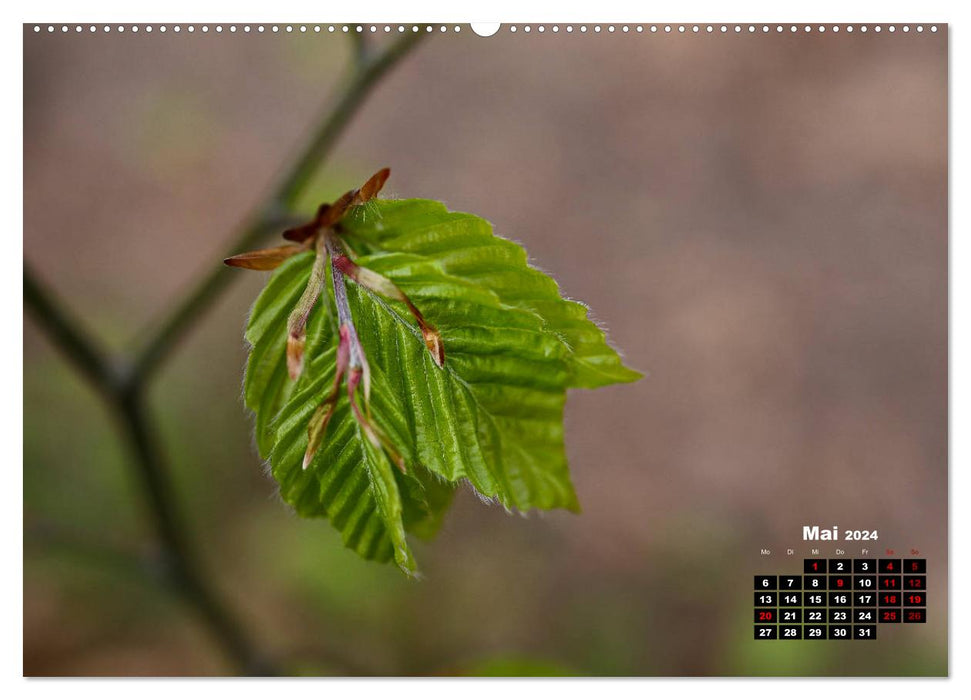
x,y
759,220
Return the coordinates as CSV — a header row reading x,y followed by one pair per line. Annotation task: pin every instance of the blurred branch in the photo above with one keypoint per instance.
x,y
87,357
366,72
122,383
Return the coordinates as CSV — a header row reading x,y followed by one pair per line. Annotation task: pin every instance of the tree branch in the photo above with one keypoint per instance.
x,y
66,334
122,384
366,73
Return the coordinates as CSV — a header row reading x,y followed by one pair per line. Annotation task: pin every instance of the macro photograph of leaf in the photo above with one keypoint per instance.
x,y
490,415
366,350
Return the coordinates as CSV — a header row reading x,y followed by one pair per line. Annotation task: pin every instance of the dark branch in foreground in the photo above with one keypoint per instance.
x,y
121,383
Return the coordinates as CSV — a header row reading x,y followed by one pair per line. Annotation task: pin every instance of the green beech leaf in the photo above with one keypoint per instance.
x,y
491,416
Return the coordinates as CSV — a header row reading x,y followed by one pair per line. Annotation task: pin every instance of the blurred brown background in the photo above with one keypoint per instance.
x,y
759,220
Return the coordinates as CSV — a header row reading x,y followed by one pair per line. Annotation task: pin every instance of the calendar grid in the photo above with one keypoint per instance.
x,y
840,599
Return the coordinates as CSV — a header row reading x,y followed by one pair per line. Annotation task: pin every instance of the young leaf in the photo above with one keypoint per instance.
x,y
456,356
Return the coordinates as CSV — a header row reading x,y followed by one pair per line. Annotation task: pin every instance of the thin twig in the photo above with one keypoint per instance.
x,y
179,565
66,333
364,76
122,384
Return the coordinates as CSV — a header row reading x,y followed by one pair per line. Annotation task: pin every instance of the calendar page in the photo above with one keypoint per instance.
x,y
524,349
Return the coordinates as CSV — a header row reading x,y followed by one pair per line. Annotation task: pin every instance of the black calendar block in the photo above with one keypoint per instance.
x,y
814,632
814,566
889,615
814,615
810,599
890,599
840,616
766,583
766,616
915,583
840,566
915,566
840,583
919,615
915,599
889,583
890,566
766,631
840,600
840,632
864,566
766,599
814,583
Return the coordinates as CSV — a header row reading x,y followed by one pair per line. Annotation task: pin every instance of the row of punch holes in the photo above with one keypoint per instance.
x,y
569,29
